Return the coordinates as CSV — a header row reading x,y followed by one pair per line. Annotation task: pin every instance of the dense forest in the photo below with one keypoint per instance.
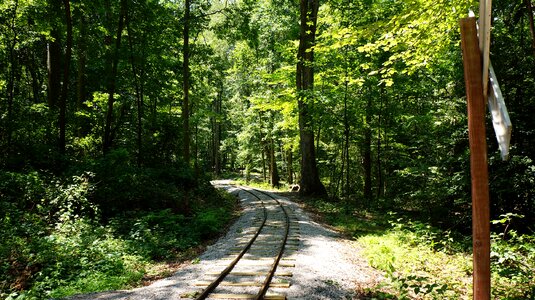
x,y
114,115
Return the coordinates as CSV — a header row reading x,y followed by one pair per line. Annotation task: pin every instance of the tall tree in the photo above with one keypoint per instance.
x,y
310,182
54,59
138,85
82,60
65,86
367,152
274,172
108,136
186,83
11,78
216,132
531,24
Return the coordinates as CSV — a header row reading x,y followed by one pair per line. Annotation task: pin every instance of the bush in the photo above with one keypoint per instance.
x,y
55,242
155,235
419,261
56,245
512,261
21,189
80,253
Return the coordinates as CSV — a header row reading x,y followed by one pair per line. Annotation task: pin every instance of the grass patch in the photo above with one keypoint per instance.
x,y
423,262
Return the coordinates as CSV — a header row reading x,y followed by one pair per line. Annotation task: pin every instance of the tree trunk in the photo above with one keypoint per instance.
x,y
310,182
263,162
11,79
248,169
217,133
275,178
82,60
367,159
139,96
318,136
186,84
289,156
267,153
531,24
347,131
54,69
379,152
213,137
36,88
108,138
196,151
65,88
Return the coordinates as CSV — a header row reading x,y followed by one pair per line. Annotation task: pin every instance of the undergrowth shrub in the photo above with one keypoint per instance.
x,y
162,234
79,254
429,263
57,245
416,268
54,242
425,262
512,261
155,235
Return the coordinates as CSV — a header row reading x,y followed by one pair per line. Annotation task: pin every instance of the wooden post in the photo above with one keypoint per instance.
x,y
478,159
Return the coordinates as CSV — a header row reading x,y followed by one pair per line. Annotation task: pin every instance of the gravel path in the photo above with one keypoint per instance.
x,y
326,266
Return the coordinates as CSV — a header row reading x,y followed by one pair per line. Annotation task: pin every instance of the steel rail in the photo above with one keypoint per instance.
x,y
210,288
271,273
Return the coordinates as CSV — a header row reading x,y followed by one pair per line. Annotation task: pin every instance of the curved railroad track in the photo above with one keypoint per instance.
x,y
257,254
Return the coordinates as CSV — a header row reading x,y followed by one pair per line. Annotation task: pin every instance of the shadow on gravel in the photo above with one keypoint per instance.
x,y
317,273
344,220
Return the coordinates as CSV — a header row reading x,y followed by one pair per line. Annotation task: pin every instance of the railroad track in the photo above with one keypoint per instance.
x,y
259,256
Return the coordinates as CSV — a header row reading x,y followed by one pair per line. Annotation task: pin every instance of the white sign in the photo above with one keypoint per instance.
x,y
485,15
500,117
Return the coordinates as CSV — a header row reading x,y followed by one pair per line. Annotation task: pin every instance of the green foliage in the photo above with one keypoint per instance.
x,y
164,235
419,261
425,262
58,247
512,261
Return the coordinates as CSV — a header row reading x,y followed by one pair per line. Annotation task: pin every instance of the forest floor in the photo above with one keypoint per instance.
x,y
327,266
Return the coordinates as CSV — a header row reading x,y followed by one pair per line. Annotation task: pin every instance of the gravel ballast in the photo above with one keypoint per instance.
x,y
326,265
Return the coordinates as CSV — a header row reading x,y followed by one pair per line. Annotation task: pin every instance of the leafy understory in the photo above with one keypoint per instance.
x,y
55,251
423,262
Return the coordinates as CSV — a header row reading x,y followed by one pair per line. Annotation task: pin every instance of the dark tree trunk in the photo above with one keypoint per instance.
x,y
186,84
65,88
11,78
263,163
347,131
54,69
108,137
379,152
213,137
275,178
289,157
139,95
196,151
367,159
217,133
310,182
531,24
35,79
82,60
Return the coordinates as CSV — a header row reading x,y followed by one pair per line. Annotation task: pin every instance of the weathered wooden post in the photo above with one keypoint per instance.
x,y
478,158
